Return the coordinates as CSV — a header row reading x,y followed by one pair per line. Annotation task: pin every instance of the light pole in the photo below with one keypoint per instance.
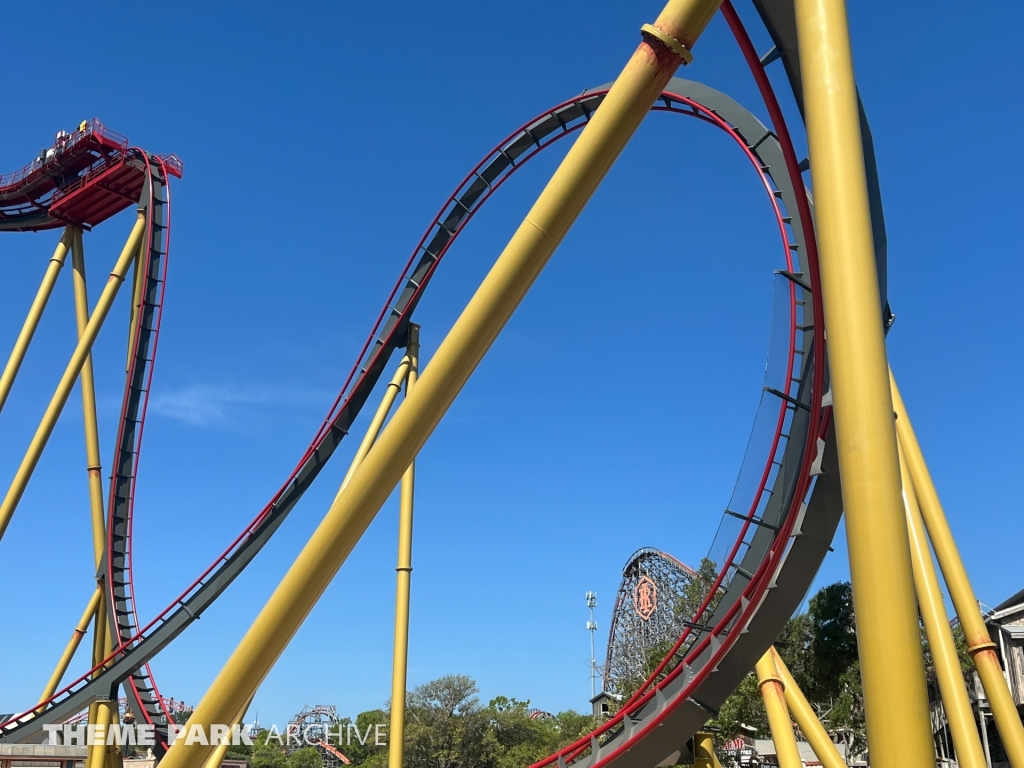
x,y
592,628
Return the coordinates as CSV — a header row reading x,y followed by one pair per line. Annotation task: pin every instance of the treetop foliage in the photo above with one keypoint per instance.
x,y
447,726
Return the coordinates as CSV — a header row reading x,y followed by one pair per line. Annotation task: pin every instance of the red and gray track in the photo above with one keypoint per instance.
x,y
785,529
682,97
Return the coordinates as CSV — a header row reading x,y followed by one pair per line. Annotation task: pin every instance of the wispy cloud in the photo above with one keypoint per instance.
x,y
210,404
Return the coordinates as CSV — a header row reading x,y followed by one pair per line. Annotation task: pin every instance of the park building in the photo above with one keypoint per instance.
x,y
1006,628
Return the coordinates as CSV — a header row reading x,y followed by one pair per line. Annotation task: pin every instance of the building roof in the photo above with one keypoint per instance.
x,y
1017,599
807,756
42,751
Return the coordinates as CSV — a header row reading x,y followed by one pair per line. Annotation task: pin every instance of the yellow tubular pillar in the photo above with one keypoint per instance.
x,y
393,388
34,313
137,286
940,638
110,717
583,168
102,644
810,725
97,755
100,713
773,693
92,439
76,638
979,643
892,665
400,664
217,757
99,648
101,638
704,751
60,397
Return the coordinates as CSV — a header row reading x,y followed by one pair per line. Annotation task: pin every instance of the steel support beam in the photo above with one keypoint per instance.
x,y
704,751
221,751
35,312
892,665
966,741
979,643
377,422
403,578
76,639
137,287
810,726
773,693
92,436
74,367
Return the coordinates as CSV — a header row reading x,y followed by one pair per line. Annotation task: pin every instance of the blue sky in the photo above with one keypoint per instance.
x,y
319,139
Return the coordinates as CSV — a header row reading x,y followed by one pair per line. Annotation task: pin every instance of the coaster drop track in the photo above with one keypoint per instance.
x,y
88,177
785,525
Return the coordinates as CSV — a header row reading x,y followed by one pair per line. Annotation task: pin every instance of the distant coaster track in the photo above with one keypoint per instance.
x,y
785,532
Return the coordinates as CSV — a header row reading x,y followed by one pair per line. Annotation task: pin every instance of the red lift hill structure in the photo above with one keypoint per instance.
x,y
86,177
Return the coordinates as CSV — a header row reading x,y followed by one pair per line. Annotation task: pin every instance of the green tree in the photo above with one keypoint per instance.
x,y
696,590
446,727
573,726
517,738
240,751
307,757
966,661
743,707
844,720
359,739
181,716
820,649
267,752
794,646
834,638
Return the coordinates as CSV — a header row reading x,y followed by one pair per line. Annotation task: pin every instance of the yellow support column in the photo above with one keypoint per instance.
x,y
773,693
940,637
892,665
811,727
99,648
217,757
35,312
76,638
103,643
115,758
137,287
92,438
105,715
400,663
99,711
377,422
704,751
979,643
665,45
97,755
67,382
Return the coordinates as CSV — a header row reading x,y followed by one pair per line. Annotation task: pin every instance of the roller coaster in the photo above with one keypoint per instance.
x,y
805,466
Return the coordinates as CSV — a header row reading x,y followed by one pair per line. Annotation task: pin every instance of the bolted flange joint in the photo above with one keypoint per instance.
x,y
762,683
668,41
982,646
